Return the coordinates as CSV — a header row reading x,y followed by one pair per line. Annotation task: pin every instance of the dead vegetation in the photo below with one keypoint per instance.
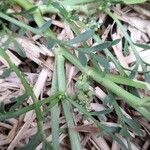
x,y
38,67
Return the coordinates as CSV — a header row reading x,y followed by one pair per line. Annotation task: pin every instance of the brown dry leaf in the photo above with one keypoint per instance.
x,y
143,9
21,130
139,23
85,128
101,142
11,134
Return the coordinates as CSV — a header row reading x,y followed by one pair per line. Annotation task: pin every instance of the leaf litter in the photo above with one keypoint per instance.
x,y
38,66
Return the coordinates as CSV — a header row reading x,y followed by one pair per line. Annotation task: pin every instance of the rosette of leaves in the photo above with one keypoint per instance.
x,y
83,93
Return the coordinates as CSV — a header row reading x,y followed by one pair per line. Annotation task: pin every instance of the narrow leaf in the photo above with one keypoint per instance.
x,y
2,108
45,26
82,37
19,49
96,48
103,112
144,46
134,125
6,73
82,58
101,60
19,100
115,42
120,142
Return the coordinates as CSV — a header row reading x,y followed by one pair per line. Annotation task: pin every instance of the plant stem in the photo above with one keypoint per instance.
x,y
55,112
129,98
115,78
36,14
74,137
18,23
132,100
28,90
13,114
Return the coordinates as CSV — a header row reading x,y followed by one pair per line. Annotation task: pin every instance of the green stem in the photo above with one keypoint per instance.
x,y
24,3
132,100
27,88
36,14
55,112
115,78
72,59
47,9
13,114
74,137
18,23
129,98
125,81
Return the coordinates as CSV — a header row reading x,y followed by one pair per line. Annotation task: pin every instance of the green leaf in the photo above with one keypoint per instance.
x,y
18,23
120,142
82,37
144,46
82,58
19,49
6,73
112,129
134,125
103,112
96,64
146,102
134,71
21,32
6,44
103,128
53,100
50,42
116,107
126,81
124,132
96,48
145,72
19,100
126,48
115,42
45,26
101,60
62,10
2,108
